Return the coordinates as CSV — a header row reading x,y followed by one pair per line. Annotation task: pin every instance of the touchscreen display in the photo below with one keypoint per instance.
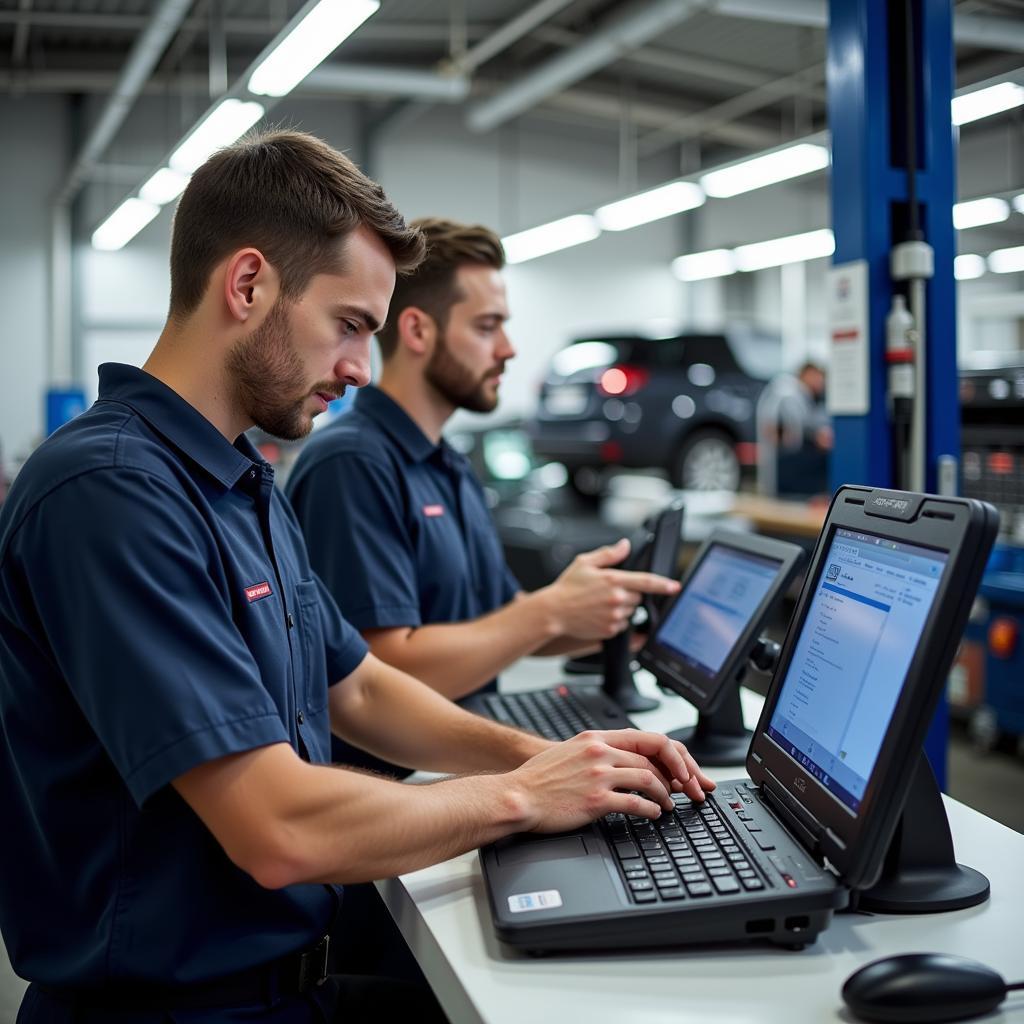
x,y
718,603
852,656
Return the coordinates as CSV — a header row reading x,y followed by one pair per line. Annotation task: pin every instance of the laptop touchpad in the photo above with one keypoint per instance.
x,y
543,849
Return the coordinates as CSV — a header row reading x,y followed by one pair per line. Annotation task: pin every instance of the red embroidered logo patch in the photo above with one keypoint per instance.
x,y
258,591
433,510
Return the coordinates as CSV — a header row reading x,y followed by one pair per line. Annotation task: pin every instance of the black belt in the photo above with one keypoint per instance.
x,y
293,974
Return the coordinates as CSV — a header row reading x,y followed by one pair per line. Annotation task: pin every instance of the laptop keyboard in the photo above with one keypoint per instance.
x,y
556,714
688,853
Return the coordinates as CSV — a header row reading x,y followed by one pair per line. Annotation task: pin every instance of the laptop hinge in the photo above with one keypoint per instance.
x,y
804,828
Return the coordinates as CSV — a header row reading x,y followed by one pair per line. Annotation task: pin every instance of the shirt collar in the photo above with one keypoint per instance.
x,y
177,421
397,424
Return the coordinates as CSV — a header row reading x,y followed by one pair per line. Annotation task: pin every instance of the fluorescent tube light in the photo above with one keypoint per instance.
x,y
699,266
968,266
810,245
765,170
1018,203
976,212
124,224
547,238
651,205
306,46
1007,261
164,186
986,102
227,121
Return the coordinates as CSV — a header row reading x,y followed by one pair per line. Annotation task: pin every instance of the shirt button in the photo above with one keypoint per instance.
x,y
300,718
290,620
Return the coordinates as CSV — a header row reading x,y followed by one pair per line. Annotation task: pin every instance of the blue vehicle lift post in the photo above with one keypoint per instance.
x,y
867,98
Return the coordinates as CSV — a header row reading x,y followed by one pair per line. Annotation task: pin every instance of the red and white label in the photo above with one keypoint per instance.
x,y
431,511
258,591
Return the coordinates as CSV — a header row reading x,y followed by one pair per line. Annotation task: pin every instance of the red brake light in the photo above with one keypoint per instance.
x,y
622,381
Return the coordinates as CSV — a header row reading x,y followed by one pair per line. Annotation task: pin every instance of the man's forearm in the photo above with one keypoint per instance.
x,y
457,658
394,716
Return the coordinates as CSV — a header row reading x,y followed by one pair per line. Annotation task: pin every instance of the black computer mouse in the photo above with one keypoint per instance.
x,y
923,987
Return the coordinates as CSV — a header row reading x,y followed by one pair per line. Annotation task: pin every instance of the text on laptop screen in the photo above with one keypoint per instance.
x,y
852,656
716,606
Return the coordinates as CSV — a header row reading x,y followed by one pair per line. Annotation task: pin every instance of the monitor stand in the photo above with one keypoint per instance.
x,y
618,682
720,738
920,874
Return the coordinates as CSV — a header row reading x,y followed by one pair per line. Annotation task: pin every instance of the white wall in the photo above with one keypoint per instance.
x,y
32,159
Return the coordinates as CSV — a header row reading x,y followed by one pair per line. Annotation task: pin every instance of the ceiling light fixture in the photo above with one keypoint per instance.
x,y
809,245
655,203
976,212
308,44
968,266
1007,261
124,224
229,120
164,186
973,106
781,165
551,237
700,266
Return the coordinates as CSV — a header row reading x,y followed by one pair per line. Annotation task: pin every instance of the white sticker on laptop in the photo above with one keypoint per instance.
x,y
523,901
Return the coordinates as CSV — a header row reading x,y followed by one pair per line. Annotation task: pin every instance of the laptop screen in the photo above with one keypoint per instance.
x,y
851,659
719,601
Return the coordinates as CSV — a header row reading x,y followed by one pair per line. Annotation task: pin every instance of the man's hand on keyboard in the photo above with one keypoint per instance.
x,y
596,773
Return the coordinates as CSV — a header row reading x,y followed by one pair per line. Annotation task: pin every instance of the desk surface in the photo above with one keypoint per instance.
x,y
443,914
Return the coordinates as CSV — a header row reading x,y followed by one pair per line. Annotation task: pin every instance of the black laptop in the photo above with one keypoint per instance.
x,y
772,857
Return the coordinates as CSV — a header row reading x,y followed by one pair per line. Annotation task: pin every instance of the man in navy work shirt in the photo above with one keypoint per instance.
x,y
171,667
394,519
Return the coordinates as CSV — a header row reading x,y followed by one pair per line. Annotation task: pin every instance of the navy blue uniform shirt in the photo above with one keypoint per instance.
x,y
396,526
157,611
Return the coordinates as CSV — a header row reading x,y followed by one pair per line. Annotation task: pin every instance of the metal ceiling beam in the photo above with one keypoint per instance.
x,y
728,110
813,13
510,33
634,28
263,28
21,30
143,57
992,33
325,81
585,103
365,79
713,70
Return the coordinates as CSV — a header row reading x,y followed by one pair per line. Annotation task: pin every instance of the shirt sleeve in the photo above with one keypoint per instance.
x,y
136,607
350,510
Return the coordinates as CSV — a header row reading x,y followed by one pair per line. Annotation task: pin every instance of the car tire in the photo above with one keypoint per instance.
x,y
707,461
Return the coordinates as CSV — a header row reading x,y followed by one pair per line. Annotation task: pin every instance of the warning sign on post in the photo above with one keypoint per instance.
x,y
848,393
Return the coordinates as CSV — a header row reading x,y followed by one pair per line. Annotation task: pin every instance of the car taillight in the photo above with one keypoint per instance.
x,y
621,381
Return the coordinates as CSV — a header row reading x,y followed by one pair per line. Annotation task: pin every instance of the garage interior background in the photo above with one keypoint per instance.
x,y
497,111
488,110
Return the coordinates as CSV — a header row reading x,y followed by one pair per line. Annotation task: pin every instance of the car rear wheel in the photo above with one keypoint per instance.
x,y
707,461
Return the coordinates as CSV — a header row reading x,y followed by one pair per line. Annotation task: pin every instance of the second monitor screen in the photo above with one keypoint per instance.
x,y
720,598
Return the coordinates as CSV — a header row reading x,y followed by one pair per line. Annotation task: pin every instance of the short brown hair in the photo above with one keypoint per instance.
x,y
431,286
291,196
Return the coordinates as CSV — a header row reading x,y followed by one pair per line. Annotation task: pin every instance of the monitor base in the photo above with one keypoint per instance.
x,y
719,738
714,749
920,874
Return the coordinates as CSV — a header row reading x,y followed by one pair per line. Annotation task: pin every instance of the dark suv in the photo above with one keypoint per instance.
x,y
681,403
